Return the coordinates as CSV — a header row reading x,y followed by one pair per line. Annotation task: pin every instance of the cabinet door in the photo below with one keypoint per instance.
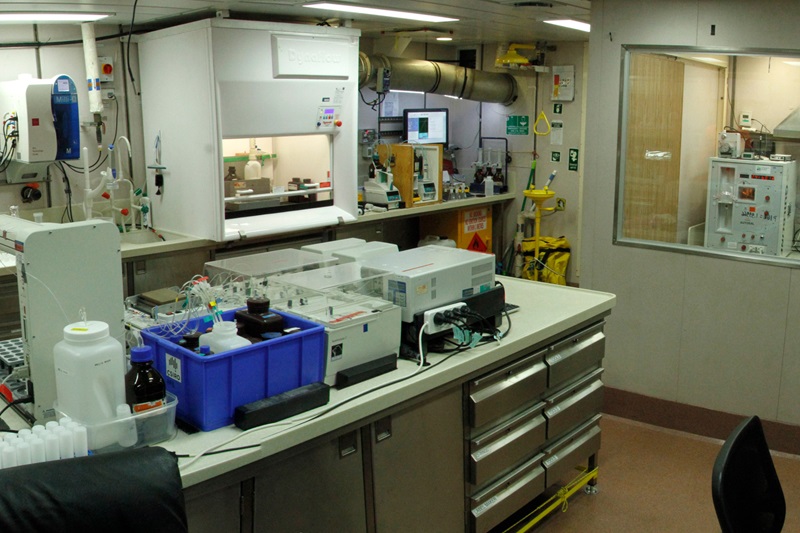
x,y
418,467
319,490
213,507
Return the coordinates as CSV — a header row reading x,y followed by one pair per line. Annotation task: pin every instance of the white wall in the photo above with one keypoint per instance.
x,y
700,330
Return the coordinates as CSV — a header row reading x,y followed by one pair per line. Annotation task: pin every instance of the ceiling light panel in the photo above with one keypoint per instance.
x,y
41,17
363,10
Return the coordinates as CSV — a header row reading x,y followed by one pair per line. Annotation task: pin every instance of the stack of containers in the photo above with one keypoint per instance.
x,y
64,439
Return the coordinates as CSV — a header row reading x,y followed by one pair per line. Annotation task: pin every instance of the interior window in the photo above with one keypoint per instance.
x,y
709,143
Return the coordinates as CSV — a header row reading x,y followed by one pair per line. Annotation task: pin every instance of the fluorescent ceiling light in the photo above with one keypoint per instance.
x,y
407,92
793,63
380,12
51,17
571,24
444,38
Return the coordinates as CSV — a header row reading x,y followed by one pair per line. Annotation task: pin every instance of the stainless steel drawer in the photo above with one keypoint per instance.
x,y
564,455
575,355
498,501
500,450
571,406
506,390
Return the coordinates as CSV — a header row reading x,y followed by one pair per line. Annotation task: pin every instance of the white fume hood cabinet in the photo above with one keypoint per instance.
x,y
41,115
218,94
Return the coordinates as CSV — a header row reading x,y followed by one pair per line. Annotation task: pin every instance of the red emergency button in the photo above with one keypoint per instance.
x,y
766,198
766,213
107,69
338,123
744,247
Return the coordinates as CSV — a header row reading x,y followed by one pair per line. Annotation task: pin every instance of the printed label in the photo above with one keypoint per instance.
x,y
482,508
144,406
173,368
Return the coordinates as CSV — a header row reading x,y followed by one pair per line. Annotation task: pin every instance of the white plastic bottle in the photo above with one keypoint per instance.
x,y
90,370
223,337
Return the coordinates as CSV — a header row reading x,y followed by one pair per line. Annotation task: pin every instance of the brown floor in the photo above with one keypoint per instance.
x,y
658,480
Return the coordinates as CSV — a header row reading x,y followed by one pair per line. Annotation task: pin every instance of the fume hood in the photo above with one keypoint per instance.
x,y
790,126
252,127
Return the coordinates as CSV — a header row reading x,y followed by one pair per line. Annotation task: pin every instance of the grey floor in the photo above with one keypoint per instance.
x,y
653,479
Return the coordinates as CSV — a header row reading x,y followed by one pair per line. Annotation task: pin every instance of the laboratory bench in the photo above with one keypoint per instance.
x,y
459,445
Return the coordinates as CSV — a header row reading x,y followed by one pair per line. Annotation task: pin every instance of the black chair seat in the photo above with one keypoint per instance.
x,y
747,492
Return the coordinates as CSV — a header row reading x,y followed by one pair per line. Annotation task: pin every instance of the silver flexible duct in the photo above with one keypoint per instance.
x,y
439,78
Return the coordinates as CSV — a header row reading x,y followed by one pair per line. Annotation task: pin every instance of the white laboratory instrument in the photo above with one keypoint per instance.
x,y
377,194
61,269
238,79
380,190
730,144
432,276
368,250
43,113
361,329
327,248
750,206
427,172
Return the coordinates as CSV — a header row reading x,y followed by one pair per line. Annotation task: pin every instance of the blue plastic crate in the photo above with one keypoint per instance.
x,y
209,388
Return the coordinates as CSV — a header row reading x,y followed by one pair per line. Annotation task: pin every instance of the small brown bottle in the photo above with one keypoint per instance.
x,y
144,387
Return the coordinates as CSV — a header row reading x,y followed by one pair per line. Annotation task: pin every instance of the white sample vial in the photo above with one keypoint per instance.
x,y
65,446
64,421
9,456
24,433
127,426
37,450
10,437
38,429
80,441
50,425
51,449
23,453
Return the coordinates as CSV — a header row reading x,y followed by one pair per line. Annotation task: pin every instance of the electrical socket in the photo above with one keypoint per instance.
x,y
429,315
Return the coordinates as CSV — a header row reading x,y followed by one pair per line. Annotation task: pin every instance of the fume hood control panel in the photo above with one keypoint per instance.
x,y
328,117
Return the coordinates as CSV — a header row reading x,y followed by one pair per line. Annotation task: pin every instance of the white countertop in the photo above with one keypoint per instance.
x,y
545,311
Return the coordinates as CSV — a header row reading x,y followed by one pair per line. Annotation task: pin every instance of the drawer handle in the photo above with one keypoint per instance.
x,y
348,444
383,429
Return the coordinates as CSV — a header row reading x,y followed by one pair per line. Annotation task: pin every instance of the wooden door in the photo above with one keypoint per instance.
x,y
651,183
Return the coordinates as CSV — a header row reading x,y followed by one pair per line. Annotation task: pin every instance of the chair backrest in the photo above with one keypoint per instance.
x,y
128,491
745,487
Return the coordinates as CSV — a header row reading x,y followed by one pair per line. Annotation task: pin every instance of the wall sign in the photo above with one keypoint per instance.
x,y
517,125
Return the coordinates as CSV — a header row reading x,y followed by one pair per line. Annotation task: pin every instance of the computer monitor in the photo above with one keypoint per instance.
x,y
425,126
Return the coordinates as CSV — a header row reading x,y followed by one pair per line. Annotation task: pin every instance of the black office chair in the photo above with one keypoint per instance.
x,y
747,493
129,491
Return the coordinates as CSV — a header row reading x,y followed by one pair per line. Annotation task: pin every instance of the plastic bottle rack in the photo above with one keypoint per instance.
x,y
55,440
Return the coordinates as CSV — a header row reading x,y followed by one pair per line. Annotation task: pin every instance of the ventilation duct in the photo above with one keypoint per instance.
x,y
439,78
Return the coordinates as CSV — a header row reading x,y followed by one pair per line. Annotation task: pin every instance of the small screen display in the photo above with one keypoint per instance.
x,y
747,194
425,126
